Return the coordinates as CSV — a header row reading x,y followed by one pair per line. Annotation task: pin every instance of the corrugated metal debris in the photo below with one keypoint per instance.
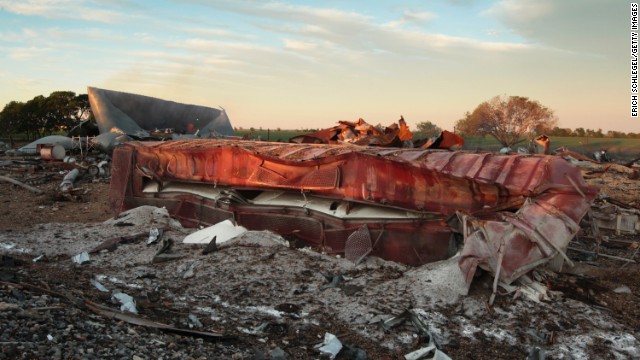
x,y
364,134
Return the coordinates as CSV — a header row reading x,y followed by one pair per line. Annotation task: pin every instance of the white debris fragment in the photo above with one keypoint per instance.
x,y
127,301
154,235
442,280
69,179
194,322
527,287
223,231
99,286
622,290
81,258
187,270
420,353
331,345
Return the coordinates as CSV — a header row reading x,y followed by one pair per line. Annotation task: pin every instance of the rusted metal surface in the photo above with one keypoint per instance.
x,y
363,134
528,205
445,140
359,133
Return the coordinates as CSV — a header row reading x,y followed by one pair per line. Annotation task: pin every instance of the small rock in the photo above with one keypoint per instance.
x,y
277,354
622,290
9,307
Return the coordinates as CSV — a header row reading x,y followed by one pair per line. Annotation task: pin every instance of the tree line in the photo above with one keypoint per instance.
x,y
509,119
44,115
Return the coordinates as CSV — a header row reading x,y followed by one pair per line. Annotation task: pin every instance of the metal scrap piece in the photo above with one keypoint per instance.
x,y
140,116
127,301
331,346
358,245
81,258
154,235
136,320
359,133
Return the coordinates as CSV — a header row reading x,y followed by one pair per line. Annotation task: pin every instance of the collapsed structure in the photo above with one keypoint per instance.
x,y
364,134
121,116
513,211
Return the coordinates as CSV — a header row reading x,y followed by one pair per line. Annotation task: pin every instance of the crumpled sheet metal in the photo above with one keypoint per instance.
x,y
513,244
359,133
547,193
139,115
364,134
445,140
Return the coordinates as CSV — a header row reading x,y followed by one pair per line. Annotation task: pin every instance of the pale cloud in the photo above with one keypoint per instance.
x,y
218,33
23,53
426,42
62,9
95,35
20,36
27,82
411,17
520,11
583,26
290,44
220,61
355,32
281,11
206,45
171,59
460,2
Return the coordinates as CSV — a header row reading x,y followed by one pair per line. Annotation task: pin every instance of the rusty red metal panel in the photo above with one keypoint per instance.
x,y
359,133
119,187
438,182
519,209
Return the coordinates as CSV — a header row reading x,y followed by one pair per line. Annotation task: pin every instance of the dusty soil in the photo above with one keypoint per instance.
x,y
271,301
22,209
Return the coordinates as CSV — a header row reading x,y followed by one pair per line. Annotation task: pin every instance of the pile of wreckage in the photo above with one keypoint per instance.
x,y
119,117
354,189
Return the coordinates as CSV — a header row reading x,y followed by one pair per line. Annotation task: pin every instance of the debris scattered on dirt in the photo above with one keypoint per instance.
x,y
258,295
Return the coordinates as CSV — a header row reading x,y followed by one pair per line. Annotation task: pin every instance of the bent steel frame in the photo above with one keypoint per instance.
x,y
515,211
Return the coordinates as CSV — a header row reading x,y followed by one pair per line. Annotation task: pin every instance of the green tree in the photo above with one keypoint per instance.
x,y
561,132
81,110
35,119
598,133
11,118
60,111
509,120
427,129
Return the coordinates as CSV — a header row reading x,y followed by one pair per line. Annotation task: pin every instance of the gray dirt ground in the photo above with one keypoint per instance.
x,y
274,301
271,301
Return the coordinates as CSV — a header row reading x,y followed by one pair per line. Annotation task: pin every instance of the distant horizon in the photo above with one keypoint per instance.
x,y
293,64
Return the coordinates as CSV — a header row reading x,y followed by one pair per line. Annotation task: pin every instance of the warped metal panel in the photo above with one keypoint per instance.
x,y
139,115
